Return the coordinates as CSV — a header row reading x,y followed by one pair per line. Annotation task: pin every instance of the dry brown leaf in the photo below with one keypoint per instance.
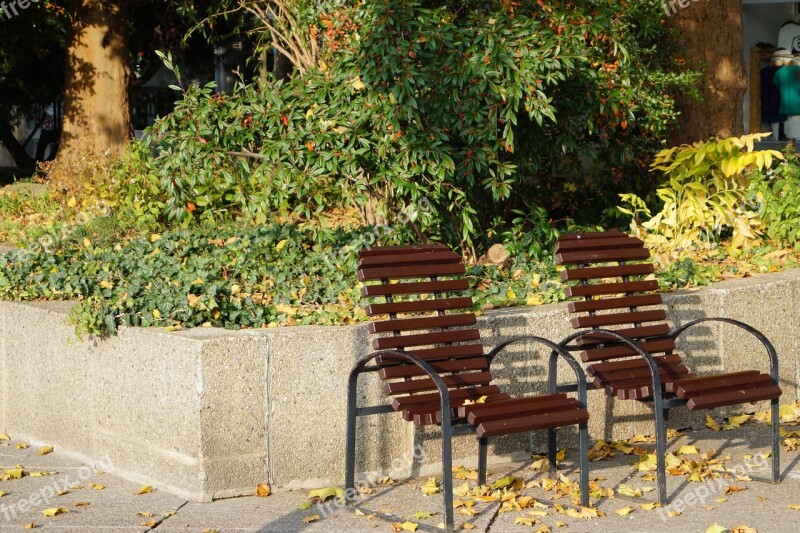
x,y
263,490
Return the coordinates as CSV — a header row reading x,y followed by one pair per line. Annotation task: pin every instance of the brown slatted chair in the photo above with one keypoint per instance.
x,y
432,362
608,268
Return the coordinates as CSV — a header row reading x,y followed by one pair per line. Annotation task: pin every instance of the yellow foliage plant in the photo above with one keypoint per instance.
x,y
705,192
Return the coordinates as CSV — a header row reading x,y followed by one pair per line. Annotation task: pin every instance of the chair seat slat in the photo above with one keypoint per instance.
x,y
529,423
611,288
641,269
417,306
401,259
423,339
443,367
467,379
612,243
417,287
701,385
604,304
735,397
623,254
412,271
428,322
613,319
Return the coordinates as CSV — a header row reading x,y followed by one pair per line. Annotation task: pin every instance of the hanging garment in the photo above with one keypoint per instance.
x,y
788,81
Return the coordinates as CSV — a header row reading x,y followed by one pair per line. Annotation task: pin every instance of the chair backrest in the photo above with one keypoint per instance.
x,y
609,272
421,288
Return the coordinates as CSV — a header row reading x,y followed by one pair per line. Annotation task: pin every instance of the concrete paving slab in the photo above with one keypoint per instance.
x,y
759,505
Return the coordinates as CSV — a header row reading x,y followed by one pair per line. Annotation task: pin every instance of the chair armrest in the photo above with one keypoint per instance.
x,y
556,350
773,355
635,346
441,387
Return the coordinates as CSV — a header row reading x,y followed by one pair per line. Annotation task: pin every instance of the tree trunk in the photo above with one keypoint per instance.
x,y
9,140
712,40
97,116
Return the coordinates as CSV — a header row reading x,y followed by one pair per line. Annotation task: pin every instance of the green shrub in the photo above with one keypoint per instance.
x,y
482,108
777,197
706,192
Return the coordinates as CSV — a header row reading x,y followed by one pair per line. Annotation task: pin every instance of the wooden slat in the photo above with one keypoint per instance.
x,y
613,243
529,423
427,322
401,259
400,250
641,269
735,397
400,341
633,333
667,373
608,234
432,304
602,256
418,401
603,304
430,415
412,271
611,288
468,379
629,364
442,367
478,413
417,287
619,350
436,353
701,385
613,319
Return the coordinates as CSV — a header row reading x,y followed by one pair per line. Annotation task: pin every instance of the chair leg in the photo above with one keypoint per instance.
x,y
583,431
350,444
776,448
661,453
483,451
447,477
552,450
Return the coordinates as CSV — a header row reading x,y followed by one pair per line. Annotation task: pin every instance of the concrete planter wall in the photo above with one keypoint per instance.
x,y
209,413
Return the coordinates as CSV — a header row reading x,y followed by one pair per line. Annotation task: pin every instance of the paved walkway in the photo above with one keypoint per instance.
x,y
98,501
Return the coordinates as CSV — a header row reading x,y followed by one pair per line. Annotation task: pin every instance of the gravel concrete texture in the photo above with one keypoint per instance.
x,y
209,413
117,507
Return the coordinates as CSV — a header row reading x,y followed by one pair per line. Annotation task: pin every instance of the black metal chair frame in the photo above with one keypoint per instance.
x,y
662,405
461,427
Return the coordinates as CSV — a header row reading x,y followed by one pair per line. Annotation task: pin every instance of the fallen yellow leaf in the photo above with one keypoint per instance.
x,y
44,450
54,511
687,450
263,490
32,525
3,436
310,518
97,486
624,511
144,489
325,493
716,528
430,487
